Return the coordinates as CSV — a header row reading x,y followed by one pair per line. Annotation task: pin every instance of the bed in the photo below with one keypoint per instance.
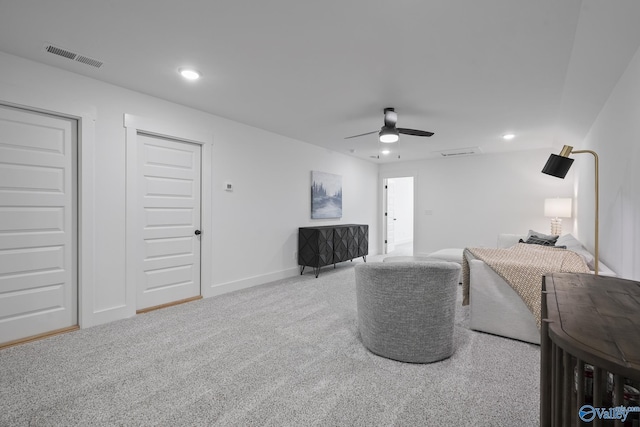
x,y
495,306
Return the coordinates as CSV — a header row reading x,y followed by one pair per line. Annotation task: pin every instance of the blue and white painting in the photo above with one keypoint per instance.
x,y
326,195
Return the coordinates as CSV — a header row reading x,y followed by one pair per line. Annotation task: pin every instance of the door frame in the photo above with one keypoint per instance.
x,y
383,177
85,116
135,125
385,217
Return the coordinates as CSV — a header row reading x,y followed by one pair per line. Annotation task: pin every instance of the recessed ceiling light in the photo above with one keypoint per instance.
x,y
508,136
189,73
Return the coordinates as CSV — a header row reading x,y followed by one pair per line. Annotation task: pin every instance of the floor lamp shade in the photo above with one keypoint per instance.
x,y
557,166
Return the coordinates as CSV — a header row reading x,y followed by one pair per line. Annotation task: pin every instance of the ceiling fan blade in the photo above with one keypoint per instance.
x,y
415,132
390,117
362,134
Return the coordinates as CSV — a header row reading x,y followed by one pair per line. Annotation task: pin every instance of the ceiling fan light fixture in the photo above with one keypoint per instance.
x,y
189,73
388,135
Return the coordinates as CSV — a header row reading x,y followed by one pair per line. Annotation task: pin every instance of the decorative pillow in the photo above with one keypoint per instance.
x,y
539,235
535,240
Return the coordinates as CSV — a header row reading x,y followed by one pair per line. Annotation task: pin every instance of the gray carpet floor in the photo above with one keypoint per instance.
x,y
285,353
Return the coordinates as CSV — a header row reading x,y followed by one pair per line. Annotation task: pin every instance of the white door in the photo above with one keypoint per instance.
x,y
169,186
390,200
38,290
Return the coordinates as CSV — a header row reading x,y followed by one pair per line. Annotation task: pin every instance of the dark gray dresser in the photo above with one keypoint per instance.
x,y
331,244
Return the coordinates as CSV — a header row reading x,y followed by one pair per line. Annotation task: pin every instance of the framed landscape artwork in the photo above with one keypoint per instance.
x,y
326,195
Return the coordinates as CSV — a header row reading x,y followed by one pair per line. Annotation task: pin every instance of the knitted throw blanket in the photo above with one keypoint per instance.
x,y
522,267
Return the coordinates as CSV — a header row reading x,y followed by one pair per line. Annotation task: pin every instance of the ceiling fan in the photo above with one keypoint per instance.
x,y
389,132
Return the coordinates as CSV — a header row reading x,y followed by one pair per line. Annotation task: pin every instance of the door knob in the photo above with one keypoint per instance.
x,y
198,232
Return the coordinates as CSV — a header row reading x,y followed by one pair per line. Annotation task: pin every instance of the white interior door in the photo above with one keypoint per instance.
x,y
38,243
403,211
390,219
169,186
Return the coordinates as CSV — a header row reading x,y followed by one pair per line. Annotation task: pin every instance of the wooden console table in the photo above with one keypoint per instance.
x,y
590,348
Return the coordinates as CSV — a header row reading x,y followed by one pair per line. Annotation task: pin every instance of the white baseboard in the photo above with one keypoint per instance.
x,y
236,285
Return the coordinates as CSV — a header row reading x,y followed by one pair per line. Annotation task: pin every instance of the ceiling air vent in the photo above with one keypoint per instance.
x,y
60,52
72,55
469,151
89,61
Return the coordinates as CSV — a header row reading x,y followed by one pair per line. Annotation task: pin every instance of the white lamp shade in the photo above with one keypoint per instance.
x,y
557,208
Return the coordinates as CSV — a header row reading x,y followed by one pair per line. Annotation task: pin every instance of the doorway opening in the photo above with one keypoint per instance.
x,y
398,218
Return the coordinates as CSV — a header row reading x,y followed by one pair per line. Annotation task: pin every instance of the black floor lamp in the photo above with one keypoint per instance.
x,y
559,165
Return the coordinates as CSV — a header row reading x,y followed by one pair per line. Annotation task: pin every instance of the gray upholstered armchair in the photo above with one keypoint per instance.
x,y
406,310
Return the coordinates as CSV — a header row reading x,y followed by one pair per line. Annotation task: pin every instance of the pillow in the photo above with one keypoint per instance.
x,y
574,245
569,241
553,237
535,240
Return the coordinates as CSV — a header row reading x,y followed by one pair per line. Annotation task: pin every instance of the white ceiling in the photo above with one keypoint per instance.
x,y
318,71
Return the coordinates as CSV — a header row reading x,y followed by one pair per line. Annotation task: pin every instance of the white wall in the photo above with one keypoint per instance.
x,y
255,226
473,199
615,136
